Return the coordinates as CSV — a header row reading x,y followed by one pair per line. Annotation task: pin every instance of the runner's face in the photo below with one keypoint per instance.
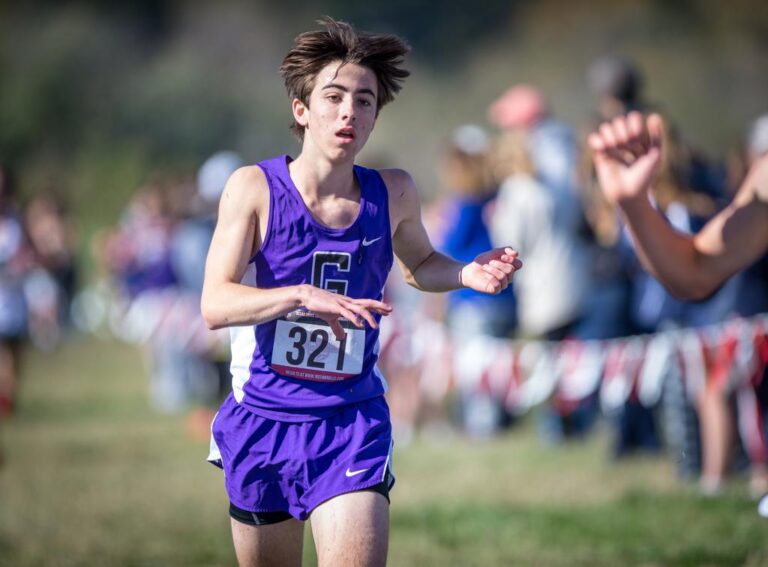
x,y
342,109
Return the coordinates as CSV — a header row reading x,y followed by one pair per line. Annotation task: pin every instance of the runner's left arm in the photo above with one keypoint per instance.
x,y
427,269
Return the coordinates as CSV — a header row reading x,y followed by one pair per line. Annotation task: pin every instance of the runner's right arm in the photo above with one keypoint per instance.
x,y
225,302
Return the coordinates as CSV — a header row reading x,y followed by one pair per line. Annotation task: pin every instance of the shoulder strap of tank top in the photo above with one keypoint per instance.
x,y
276,171
375,189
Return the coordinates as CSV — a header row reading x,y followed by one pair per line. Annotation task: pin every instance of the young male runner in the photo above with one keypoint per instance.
x,y
297,265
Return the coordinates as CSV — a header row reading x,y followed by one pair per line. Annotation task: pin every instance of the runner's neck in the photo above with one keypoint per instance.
x,y
318,179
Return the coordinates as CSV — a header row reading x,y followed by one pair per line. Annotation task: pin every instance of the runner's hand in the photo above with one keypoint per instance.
x,y
331,307
627,151
491,271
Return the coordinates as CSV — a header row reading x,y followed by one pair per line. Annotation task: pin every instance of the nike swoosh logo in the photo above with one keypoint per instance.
x,y
350,473
367,242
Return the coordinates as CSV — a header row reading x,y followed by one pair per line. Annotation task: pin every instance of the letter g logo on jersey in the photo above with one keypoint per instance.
x,y
341,261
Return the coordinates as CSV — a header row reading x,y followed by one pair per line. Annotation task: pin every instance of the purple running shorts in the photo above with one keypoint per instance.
x,y
275,466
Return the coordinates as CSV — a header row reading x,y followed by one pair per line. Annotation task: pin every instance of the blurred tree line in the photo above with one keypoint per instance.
x,y
97,97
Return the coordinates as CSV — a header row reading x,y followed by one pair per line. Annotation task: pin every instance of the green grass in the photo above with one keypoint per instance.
x,y
93,477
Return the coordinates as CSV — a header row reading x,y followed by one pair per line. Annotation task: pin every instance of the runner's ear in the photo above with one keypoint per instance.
x,y
300,112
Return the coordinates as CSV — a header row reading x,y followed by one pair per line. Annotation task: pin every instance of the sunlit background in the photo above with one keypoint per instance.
x,y
109,108
97,96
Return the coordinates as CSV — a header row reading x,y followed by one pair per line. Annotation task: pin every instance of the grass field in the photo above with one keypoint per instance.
x,y
94,478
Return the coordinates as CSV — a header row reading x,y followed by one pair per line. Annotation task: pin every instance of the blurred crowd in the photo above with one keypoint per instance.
x,y
585,333
38,278
150,279
571,342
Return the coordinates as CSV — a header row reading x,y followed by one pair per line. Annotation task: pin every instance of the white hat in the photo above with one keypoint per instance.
x,y
757,143
470,139
214,173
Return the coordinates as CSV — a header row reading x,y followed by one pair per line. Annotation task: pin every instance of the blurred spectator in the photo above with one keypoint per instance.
x,y
152,266
139,250
752,299
15,263
51,286
684,191
616,84
466,177
139,256
189,246
757,140
688,189
192,236
553,151
539,213
687,204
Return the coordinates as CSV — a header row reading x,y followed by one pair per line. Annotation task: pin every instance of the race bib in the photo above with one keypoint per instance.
x,y
307,348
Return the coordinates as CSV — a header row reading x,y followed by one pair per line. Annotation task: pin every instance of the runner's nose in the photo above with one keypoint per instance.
x,y
348,110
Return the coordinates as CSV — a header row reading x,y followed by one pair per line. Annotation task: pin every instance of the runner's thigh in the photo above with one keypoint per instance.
x,y
352,530
273,545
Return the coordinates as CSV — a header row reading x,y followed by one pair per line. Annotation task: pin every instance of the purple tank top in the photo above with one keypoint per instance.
x,y
293,368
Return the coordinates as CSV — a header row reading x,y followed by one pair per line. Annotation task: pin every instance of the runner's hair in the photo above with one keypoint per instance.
x,y
384,54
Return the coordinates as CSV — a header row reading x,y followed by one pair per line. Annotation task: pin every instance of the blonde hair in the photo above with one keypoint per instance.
x,y
671,183
511,156
467,173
